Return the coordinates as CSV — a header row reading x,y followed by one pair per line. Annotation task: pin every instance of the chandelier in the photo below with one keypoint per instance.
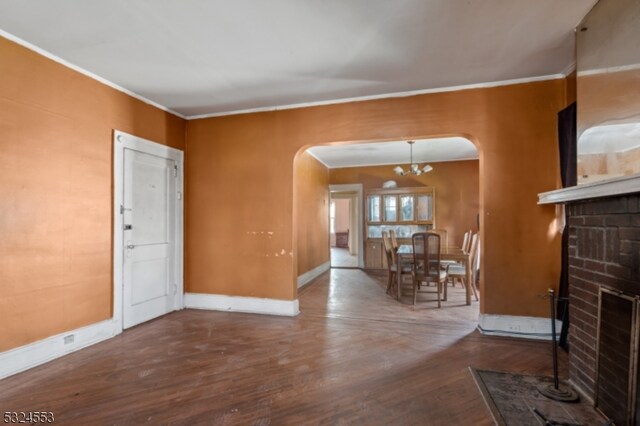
x,y
414,168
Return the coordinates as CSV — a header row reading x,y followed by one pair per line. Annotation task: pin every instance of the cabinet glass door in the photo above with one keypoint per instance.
x,y
390,208
406,208
373,208
425,208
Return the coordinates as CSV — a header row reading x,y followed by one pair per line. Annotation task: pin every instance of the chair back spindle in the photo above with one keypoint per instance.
x,y
394,241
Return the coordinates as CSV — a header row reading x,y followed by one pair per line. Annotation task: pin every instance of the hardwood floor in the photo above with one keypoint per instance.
x,y
353,356
341,258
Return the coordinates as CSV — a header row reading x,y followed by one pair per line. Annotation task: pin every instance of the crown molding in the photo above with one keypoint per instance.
x,y
119,88
84,72
382,96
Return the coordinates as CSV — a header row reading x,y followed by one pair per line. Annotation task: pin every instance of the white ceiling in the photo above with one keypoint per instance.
x,y
395,153
208,57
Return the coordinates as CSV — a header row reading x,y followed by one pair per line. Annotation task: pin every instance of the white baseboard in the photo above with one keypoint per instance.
x,y
252,305
311,275
28,356
515,326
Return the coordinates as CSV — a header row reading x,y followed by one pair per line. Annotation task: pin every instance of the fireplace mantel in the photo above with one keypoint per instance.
x,y
605,188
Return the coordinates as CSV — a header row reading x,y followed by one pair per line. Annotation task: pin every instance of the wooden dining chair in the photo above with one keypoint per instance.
x,y
394,241
466,245
465,241
426,264
475,271
459,271
444,241
392,262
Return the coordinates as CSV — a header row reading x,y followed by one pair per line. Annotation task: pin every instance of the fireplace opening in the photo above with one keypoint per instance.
x,y
616,357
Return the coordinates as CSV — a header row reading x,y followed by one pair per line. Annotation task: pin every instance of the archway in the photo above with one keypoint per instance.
x,y
455,175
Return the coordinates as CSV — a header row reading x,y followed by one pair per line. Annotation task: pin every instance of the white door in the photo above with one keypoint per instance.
x,y
149,219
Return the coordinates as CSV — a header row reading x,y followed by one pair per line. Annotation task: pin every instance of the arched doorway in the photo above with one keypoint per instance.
x,y
455,177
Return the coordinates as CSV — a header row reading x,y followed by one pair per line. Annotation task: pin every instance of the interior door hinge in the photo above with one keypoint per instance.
x,y
175,170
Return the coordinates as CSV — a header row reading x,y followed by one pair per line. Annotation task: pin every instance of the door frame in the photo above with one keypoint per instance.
x,y
122,141
353,187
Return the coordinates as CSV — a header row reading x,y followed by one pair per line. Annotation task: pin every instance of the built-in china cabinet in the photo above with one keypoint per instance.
x,y
405,210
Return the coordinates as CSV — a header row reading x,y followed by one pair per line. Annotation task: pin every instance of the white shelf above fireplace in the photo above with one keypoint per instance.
x,y
603,188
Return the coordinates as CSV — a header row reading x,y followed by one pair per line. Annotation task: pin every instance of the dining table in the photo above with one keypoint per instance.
x,y
405,258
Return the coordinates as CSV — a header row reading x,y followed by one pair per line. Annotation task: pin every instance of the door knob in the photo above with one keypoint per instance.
x,y
130,246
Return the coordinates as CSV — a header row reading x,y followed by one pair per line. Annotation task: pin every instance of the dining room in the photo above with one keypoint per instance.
x,y
427,185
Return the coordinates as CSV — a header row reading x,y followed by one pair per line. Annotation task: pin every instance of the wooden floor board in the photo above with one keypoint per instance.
x,y
353,356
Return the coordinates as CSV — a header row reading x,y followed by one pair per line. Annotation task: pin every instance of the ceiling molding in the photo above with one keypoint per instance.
x,y
319,160
384,96
571,68
621,68
106,82
84,72
400,164
49,55
196,60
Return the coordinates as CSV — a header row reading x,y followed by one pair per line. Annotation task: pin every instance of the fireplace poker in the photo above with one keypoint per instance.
x,y
557,391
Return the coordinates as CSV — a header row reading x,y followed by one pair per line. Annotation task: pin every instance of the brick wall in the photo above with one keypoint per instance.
x,y
604,249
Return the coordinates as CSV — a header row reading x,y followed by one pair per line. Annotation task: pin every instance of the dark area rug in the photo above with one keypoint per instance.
x,y
512,398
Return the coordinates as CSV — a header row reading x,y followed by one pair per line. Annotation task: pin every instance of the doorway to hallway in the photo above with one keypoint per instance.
x,y
345,226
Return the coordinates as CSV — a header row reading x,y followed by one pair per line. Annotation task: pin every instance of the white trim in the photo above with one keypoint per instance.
x,y
252,305
308,151
28,356
82,71
311,275
122,140
603,188
571,68
515,326
355,187
395,163
119,88
382,96
620,68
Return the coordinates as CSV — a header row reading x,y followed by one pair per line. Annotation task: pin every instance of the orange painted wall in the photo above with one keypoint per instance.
x,y
56,183
311,198
514,128
456,186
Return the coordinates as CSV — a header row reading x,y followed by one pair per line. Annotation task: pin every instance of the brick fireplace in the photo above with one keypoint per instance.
x,y
604,262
